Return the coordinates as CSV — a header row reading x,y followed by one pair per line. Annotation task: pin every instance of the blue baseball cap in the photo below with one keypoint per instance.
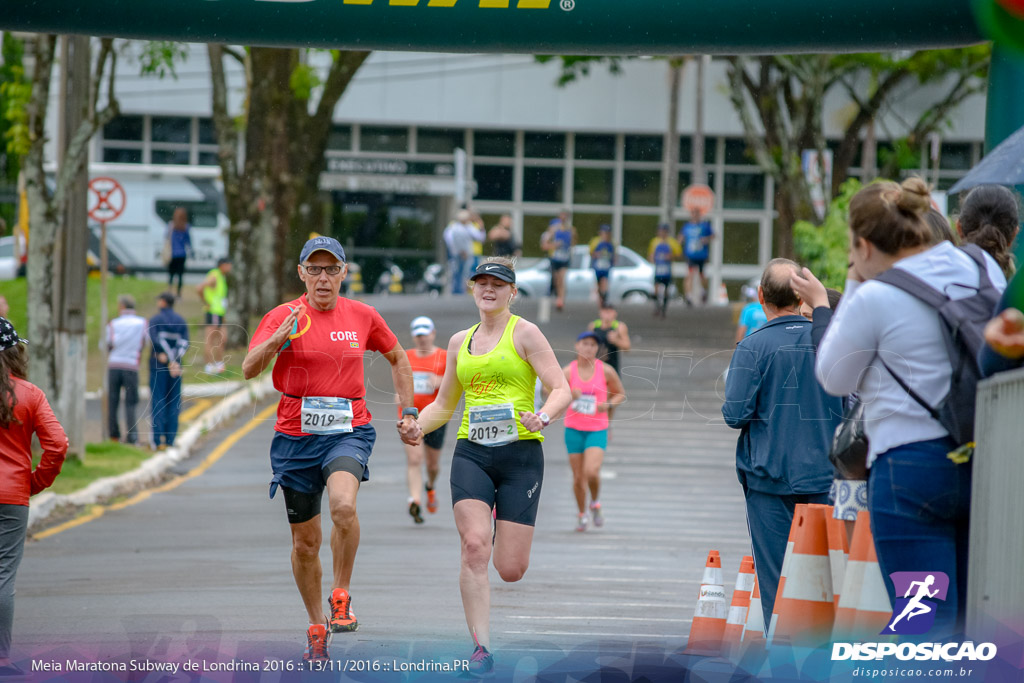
x,y
589,334
328,244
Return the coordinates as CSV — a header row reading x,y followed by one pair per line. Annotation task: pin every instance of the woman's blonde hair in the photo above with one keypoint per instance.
x,y
891,216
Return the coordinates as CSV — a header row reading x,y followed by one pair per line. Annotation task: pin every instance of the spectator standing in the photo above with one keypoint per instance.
x,y
988,218
168,336
503,241
1004,334
24,411
919,498
752,316
458,238
179,238
477,232
695,236
214,293
126,337
786,422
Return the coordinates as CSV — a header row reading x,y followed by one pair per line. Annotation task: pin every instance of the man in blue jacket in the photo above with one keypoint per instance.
x,y
168,335
786,423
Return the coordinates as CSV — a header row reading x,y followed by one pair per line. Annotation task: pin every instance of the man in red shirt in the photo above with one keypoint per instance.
x,y
324,437
428,363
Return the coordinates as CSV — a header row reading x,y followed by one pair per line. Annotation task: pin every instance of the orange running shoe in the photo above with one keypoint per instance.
x,y
431,501
317,638
342,617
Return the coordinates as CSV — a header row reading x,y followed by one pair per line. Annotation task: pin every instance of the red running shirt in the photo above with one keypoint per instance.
x,y
32,415
324,356
434,363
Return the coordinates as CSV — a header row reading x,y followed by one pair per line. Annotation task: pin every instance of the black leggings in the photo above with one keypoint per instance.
x,y
176,267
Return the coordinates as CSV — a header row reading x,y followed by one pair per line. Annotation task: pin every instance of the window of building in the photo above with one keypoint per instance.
x,y
736,152
642,188
743,191
593,185
126,128
544,145
208,159
383,139
340,138
533,228
438,140
169,156
118,155
493,182
955,156
740,242
643,147
588,224
542,184
595,147
174,129
637,232
207,132
492,143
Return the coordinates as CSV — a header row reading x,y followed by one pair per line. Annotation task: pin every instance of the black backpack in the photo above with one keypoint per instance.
x,y
963,322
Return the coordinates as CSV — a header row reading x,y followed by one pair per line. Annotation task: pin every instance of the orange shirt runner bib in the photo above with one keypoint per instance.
x,y
424,392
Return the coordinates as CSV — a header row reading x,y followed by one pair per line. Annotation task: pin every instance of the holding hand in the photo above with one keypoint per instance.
x,y
282,333
809,289
1005,333
409,430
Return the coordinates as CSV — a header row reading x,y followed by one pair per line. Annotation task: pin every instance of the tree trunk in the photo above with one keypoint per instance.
x,y
670,153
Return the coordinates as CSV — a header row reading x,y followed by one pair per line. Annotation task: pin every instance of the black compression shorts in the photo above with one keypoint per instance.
x,y
506,477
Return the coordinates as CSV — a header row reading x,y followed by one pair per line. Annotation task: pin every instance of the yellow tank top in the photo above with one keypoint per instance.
x,y
499,376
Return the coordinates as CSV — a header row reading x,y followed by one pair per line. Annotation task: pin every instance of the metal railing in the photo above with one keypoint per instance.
x,y
995,589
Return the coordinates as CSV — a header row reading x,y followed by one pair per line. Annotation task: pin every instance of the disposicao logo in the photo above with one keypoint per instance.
x,y
914,614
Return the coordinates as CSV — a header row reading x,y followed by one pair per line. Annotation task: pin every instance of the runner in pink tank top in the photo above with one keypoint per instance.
x,y
596,389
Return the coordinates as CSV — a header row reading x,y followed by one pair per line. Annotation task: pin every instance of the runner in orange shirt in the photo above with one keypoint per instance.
x,y
428,364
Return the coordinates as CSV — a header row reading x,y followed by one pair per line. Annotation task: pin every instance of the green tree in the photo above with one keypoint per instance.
x,y
825,248
271,182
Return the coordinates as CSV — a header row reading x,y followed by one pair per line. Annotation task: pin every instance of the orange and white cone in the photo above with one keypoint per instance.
x,y
740,605
753,630
864,607
804,606
709,617
838,554
782,573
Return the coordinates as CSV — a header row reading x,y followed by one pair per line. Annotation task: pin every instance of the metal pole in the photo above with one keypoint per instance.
x,y
104,317
700,176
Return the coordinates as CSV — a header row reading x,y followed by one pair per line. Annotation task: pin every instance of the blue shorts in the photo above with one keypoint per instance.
x,y
663,280
303,463
601,274
577,441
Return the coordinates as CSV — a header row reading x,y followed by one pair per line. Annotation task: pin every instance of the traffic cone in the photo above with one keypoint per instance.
x,y
709,617
864,607
804,605
838,554
740,605
782,573
753,630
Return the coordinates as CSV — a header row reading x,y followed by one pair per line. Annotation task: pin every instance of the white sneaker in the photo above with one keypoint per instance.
x,y
581,522
219,367
210,368
595,512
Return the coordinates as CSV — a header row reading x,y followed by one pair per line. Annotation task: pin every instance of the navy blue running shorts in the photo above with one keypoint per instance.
x,y
506,477
303,463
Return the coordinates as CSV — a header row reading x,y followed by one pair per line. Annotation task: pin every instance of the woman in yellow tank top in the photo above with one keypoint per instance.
x,y
498,462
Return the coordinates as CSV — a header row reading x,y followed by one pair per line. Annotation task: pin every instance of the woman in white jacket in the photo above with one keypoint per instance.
x,y
918,498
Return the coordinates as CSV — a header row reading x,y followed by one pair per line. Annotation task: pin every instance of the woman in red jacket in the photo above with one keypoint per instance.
x,y
23,411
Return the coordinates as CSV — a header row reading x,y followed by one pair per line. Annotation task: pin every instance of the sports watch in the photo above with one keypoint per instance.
x,y
544,419
415,412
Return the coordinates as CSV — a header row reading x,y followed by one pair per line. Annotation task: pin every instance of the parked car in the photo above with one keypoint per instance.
x,y
8,261
632,276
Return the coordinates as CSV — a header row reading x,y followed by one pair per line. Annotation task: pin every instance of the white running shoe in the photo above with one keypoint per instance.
x,y
596,514
581,522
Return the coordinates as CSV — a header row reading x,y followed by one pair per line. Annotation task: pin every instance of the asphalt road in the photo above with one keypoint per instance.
x,y
201,571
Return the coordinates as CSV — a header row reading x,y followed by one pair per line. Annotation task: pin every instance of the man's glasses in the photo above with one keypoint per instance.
x,y
316,270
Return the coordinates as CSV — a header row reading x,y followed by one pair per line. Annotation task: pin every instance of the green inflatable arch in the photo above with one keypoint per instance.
x,y
605,27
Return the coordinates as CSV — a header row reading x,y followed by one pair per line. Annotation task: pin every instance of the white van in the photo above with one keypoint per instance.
x,y
136,237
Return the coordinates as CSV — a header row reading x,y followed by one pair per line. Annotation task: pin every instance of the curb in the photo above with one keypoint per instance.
x,y
150,471
191,390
